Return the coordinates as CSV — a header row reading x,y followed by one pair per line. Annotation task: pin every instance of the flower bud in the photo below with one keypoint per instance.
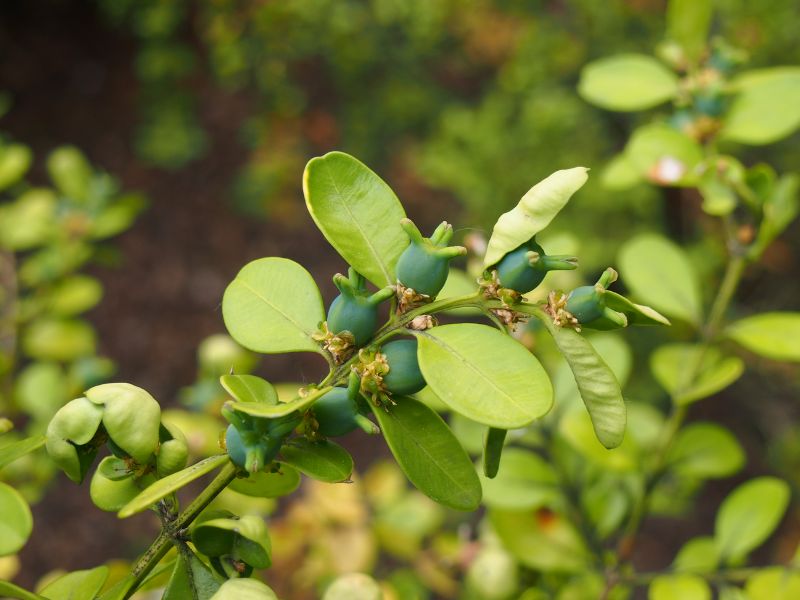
x,y
69,434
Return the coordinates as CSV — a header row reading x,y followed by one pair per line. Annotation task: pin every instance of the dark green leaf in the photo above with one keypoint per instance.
x,y
322,460
191,580
493,450
429,454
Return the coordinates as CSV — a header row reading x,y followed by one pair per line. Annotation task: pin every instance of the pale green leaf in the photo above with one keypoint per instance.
x,y
172,483
683,586
597,384
659,272
281,409
429,454
16,521
358,214
705,450
77,585
272,306
749,515
249,388
15,160
691,372
773,583
244,589
774,335
698,555
627,82
767,107
534,212
61,340
620,174
484,374
268,485
576,428
9,590
544,540
664,155
11,452
322,460
524,481
688,22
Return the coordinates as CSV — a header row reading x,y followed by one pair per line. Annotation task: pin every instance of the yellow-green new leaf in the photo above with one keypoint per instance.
x,y
683,586
358,213
533,213
281,409
16,521
272,306
485,375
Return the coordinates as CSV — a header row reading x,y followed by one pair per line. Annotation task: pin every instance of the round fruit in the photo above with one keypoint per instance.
x,y
335,413
354,314
585,304
425,263
404,376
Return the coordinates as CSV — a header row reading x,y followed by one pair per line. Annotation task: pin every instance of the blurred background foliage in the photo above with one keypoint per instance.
x,y
455,107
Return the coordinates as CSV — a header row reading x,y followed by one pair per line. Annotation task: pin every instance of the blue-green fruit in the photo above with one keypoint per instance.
x,y
524,269
355,309
425,263
336,413
404,376
585,303
235,446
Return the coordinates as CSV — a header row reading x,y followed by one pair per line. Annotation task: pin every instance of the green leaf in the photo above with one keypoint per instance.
x,y
77,585
493,443
533,212
698,555
767,107
429,454
773,583
321,460
243,538
74,295
11,452
705,450
691,372
61,340
357,213
627,82
636,314
773,334
687,23
281,409
244,589
250,388
576,428
171,483
484,374
9,590
597,384
619,174
684,586
542,540
15,159
191,580
16,522
664,155
780,208
28,221
749,515
524,481
660,273
71,172
268,485
273,306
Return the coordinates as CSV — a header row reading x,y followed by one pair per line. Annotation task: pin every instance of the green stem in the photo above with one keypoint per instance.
x,y
153,555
